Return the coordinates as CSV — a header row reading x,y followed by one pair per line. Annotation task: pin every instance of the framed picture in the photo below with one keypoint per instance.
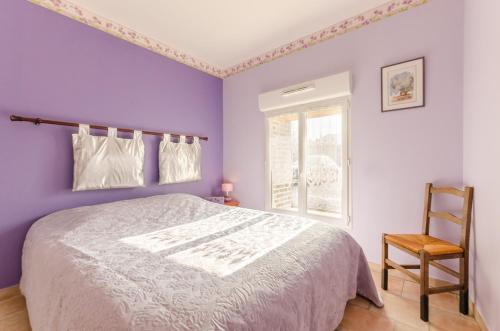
x,y
403,85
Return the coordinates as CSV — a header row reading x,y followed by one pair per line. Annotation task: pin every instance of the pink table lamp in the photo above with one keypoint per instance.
x,y
227,188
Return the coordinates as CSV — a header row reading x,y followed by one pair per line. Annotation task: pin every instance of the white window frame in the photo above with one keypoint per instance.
x,y
344,220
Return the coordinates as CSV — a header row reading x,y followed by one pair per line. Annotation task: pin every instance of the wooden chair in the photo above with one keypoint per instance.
x,y
430,249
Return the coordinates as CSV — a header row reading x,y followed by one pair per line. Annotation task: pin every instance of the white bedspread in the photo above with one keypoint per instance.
x,y
177,262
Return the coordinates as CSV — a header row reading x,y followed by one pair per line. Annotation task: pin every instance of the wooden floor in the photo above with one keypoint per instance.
x,y
402,308
401,311
13,314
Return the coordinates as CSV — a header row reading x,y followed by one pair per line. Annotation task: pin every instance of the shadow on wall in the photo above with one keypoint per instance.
x,y
9,253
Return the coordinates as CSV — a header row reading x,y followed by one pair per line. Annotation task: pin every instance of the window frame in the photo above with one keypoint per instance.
x,y
344,220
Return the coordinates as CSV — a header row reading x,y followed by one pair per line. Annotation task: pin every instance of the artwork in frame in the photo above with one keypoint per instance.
x,y
403,85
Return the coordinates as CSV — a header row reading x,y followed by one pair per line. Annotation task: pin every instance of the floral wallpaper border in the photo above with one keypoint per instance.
x,y
374,15
82,15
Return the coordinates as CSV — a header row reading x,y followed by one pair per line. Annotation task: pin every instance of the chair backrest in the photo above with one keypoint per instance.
x,y
465,219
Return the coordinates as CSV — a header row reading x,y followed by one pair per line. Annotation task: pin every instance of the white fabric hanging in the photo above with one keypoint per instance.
x,y
107,162
179,162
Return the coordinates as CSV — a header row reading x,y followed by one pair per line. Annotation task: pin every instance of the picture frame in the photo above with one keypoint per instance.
x,y
403,85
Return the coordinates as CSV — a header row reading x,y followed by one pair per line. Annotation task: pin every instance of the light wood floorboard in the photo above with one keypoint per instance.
x,y
401,310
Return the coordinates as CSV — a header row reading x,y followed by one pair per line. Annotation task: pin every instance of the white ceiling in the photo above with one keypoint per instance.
x,y
226,32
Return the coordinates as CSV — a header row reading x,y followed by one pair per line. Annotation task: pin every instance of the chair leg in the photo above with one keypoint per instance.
x,y
464,281
464,302
385,271
424,308
424,286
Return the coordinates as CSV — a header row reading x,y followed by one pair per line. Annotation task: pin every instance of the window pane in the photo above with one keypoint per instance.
x,y
323,161
284,159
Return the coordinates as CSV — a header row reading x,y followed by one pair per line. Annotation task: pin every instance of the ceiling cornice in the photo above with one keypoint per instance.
x,y
374,15
85,16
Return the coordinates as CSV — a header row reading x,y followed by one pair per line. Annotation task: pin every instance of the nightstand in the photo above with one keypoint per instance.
x,y
233,203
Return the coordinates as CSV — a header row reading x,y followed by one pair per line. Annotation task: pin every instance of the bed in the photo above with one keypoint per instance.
x,y
178,262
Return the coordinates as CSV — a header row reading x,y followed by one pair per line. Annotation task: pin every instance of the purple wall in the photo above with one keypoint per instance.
x,y
481,152
394,153
54,67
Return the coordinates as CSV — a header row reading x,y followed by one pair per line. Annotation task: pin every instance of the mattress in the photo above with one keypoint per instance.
x,y
178,262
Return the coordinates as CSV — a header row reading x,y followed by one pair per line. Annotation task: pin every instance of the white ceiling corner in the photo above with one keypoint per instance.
x,y
225,37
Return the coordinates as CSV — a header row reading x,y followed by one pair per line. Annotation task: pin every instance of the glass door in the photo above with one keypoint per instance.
x,y
284,161
324,162
307,169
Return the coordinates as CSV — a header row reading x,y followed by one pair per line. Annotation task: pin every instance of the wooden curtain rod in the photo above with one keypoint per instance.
x,y
38,121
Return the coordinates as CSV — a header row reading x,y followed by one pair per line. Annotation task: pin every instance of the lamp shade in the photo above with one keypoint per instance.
x,y
227,187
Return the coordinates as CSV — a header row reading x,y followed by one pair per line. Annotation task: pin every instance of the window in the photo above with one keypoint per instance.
x,y
307,168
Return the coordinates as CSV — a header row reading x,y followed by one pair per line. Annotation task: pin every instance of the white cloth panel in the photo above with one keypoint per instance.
x,y
179,162
107,162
